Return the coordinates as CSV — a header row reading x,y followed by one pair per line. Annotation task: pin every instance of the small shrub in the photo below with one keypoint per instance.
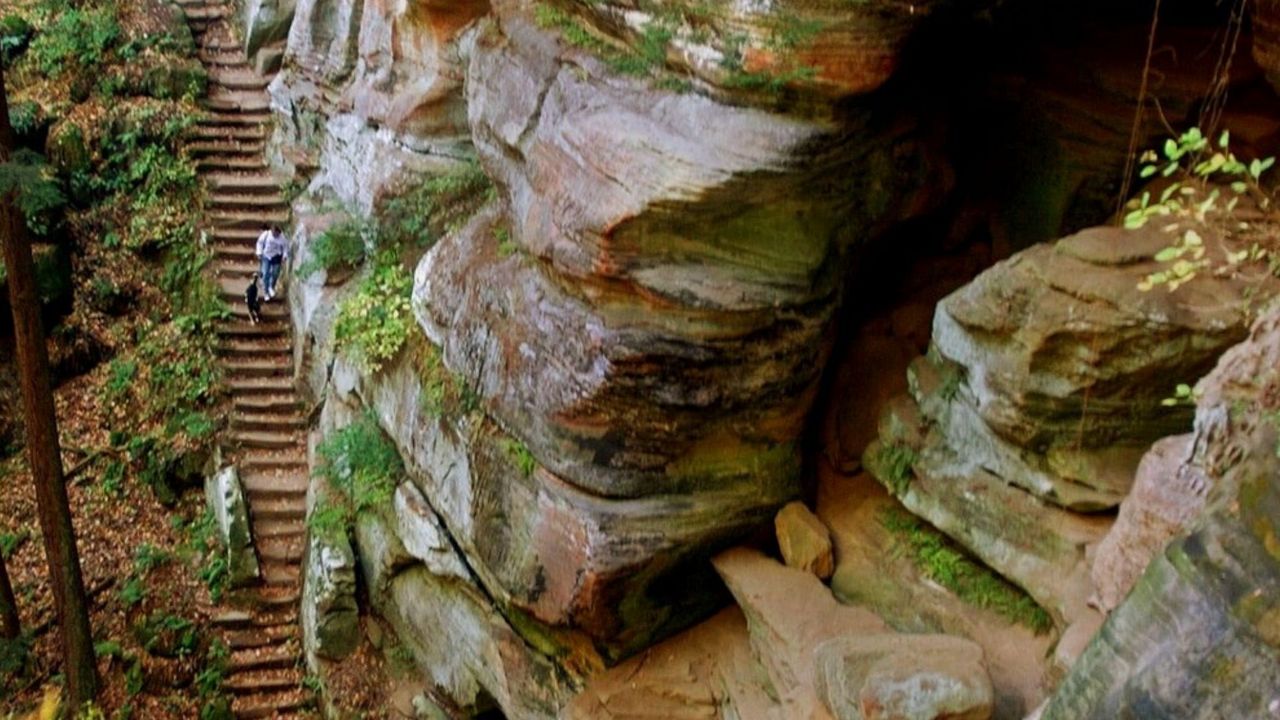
x,y
362,463
77,39
428,211
341,246
519,455
893,464
375,321
10,542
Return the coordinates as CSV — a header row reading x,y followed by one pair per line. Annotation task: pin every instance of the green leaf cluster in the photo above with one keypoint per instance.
x,y
362,463
375,321
940,560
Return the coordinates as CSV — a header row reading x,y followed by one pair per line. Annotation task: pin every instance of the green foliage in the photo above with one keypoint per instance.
x,y
1183,394
362,463
15,34
648,59
506,246
341,246
167,635
1190,200
375,321
77,39
943,562
15,655
36,191
25,115
892,464
426,212
132,592
203,543
10,542
443,392
209,682
329,518
519,455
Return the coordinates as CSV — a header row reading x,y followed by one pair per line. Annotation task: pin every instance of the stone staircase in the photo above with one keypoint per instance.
x,y
265,438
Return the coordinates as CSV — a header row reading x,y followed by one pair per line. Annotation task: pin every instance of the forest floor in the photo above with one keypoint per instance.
x,y
138,558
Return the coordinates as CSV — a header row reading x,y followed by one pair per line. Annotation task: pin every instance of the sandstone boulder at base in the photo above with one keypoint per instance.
x,y
1168,493
804,541
904,677
329,615
1198,637
225,498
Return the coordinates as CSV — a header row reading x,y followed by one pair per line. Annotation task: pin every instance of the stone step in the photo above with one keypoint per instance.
x,y
285,549
282,403
245,330
216,119
260,659
263,439
237,79
271,384
272,312
222,59
280,573
237,101
295,461
234,287
257,367
265,485
249,638
247,220
279,508
268,423
223,162
206,12
270,705
231,618
263,681
243,182
279,345
279,528
274,617
206,131
271,201
225,148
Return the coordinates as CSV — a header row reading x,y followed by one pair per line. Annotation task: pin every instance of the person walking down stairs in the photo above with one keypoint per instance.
x,y
272,252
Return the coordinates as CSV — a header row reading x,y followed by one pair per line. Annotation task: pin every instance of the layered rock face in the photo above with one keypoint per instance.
x,y
645,313
640,321
1043,387
1197,637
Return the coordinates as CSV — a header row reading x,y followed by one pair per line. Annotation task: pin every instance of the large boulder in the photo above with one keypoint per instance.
x,y
1044,385
904,677
1168,494
1199,635
225,499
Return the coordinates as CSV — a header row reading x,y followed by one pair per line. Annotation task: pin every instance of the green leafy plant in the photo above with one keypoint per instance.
x,y
519,455
942,561
10,542
361,462
77,39
341,246
892,464
423,213
375,321
1196,201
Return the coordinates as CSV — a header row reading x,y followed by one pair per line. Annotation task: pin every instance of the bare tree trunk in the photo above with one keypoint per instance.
x,y
10,626
43,452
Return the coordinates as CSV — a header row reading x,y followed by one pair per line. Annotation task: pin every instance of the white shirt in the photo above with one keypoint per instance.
x,y
271,245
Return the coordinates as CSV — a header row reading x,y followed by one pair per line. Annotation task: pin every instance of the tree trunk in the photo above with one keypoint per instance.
x,y
43,452
9,624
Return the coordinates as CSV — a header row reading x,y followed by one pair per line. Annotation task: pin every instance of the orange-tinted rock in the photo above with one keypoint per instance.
x,y
804,541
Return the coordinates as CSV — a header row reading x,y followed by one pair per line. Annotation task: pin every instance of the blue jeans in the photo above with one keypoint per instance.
x,y
270,273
